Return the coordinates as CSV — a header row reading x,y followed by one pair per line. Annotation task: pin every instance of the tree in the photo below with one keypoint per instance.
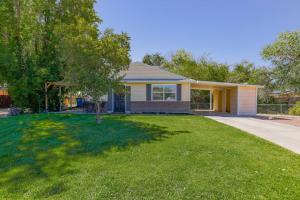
x,y
183,63
263,76
284,54
96,64
48,40
241,72
246,72
154,59
215,71
28,54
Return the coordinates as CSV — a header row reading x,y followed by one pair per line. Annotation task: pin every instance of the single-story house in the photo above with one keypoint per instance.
x,y
285,97
153,89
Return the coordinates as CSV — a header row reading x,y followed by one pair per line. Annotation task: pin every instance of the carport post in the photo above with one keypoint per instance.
x,y
210,100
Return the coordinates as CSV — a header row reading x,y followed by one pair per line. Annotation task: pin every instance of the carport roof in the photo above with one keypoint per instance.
x,y
213,83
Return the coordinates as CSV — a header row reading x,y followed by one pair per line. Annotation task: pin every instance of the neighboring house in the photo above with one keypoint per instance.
x,y
286,97
152,89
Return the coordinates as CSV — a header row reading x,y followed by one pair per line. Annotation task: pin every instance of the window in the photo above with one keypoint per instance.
x,y
164,92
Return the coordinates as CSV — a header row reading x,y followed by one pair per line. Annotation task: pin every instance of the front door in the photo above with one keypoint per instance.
x,y
119,102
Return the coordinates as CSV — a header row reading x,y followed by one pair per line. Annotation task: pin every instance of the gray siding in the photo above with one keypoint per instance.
x,y
148,92
179,92
128,99
109,101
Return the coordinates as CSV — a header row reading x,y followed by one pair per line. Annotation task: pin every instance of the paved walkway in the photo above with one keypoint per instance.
x,y
287,136
3,112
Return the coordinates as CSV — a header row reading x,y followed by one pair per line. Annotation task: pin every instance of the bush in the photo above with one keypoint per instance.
x,y
295,110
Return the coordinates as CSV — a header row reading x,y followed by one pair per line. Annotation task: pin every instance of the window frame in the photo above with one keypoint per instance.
x,y
164,100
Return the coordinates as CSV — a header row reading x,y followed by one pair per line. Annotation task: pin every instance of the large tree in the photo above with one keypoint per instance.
x,y
155,59
241,72
93,60
43,40
183,62
284,54
28,49
99,69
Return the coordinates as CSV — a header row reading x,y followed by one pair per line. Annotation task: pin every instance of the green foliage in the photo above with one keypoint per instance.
x,y
185,64
28,49
284,54
245,72
44,41
295,110
242,73
97,62
155,59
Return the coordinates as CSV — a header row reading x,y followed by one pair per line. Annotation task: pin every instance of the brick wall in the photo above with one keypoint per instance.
x,y
162,107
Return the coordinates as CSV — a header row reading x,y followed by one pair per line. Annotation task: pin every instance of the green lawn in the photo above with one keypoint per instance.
x,y
140,157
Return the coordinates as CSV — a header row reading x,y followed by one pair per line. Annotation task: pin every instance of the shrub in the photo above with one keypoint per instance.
x,y
295,110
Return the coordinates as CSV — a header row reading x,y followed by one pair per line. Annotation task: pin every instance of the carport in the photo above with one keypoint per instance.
x,y
233,98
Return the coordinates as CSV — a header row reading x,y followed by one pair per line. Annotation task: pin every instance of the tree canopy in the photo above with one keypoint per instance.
x,y
155,59
183,62
97,67
46,41
284,54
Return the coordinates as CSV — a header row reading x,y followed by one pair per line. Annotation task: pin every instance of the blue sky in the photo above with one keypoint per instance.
x,y
229,31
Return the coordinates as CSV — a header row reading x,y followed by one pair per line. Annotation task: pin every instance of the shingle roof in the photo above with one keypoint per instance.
x,y
142,72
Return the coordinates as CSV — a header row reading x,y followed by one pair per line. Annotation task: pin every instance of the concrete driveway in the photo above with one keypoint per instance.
x,y
287,136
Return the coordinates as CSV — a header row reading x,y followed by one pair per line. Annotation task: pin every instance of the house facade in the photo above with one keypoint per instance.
x,y
152,89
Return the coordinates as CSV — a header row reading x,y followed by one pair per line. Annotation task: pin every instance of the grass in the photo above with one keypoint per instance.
x,y
140,157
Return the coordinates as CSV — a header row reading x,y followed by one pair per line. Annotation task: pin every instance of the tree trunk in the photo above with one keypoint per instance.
x,y
98,117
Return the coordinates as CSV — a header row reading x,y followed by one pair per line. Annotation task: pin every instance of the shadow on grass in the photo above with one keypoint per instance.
x,y
44,147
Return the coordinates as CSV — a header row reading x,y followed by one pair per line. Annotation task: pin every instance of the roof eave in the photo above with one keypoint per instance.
x,y
227,84
156,80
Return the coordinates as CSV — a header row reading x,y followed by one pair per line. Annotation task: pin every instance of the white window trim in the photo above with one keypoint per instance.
x,y
163,100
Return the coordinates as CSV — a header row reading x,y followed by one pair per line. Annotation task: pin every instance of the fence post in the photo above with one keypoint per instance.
x,y
280,108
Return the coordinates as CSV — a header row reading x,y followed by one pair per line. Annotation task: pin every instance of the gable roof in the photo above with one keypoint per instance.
x,y
140,72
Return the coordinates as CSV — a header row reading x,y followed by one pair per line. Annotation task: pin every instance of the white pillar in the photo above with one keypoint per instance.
x,y
224,100
210,100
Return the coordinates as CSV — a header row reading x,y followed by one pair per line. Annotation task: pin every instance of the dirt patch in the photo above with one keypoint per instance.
x,y
295,121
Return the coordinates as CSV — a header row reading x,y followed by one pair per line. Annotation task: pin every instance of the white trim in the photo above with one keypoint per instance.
x,y
204,88
210,100
226,84
255,100
164,92
209,83
238,100
190,95
162,81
